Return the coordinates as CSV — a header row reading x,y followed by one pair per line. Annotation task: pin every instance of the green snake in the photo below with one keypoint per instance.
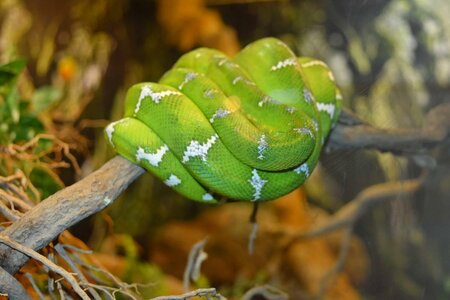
x,y
248,128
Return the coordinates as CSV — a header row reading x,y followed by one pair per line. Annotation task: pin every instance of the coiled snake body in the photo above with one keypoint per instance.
x,y
249,128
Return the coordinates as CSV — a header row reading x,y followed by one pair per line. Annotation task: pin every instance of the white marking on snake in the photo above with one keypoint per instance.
x,y
303,168
305,130
222,61
153,158
173,180
237,79
338,95
307,95
209,93
267,99
290,109
262,146
240,78
146,91
196,149
316,125
331,76
284,63
110,130
257,183
189,77
327,107
314,63
207,197
219,114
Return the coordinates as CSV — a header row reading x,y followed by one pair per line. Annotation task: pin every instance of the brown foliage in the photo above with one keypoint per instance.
x,y
301,264
191,25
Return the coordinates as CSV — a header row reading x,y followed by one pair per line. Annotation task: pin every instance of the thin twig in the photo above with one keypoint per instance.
x,y
365,200
16,201
400,141
44,222
254,231
8,213
326,280
208,293
196,257
45,261
51,217
11,287
59,248
34,285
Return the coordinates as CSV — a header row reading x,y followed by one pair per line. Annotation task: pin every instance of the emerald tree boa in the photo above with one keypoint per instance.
x,y
247,128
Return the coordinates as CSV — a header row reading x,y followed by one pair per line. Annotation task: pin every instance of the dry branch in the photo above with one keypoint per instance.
x,y
48,263
44,222
351,133
12,288
347,215
40,225
208,293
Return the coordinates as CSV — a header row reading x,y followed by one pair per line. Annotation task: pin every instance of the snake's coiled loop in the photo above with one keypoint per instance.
x,y
249,128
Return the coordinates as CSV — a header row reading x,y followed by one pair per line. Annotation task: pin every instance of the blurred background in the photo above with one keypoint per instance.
x,y
74,60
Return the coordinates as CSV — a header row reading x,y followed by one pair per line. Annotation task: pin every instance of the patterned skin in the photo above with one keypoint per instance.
x,y
249,128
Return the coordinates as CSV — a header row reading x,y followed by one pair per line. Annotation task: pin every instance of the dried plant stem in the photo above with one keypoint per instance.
x,y
44,222
10,287
49,264
208,293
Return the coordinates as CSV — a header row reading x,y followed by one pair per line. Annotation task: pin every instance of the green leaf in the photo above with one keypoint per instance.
x,y
12,104
45,97
27,128
11,70
45,180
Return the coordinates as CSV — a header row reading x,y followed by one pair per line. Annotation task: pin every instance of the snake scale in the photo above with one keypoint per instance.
x,y
248,128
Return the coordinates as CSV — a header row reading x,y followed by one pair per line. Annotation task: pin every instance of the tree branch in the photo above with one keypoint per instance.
x,y
45,261
351,133
11,288
44,222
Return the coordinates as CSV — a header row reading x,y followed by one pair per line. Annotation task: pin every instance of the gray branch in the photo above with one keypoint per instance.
x,y
352,133
44,222
11,288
